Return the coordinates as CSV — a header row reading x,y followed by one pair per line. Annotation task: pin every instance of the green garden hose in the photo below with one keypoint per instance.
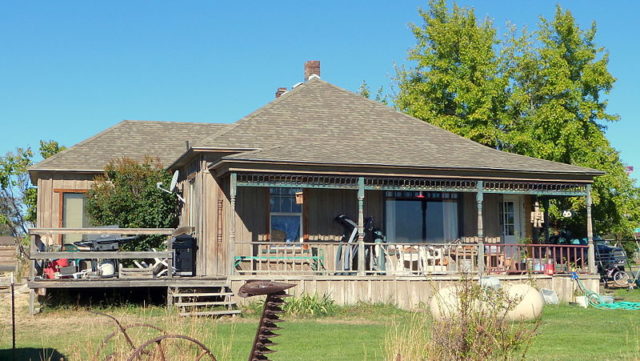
x,y
595,300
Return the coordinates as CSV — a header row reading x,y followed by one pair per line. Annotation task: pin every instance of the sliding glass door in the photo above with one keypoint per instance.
x,y
421,216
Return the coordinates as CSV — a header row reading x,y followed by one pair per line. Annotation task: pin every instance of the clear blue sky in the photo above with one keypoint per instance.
x,y
69,69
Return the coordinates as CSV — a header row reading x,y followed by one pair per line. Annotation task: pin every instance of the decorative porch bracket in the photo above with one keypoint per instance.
x,y
410,184
361,258
479,200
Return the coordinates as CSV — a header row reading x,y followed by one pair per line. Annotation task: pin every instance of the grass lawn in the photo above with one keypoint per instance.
x,y
566,333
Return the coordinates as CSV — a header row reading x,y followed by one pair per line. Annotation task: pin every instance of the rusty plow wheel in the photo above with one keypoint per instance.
x,y
123,330
159,349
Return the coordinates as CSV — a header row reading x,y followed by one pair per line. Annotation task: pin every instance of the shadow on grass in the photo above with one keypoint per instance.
x,y
32,354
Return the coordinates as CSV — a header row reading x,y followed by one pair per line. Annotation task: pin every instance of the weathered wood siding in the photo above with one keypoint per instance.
x,y
50,187
406,293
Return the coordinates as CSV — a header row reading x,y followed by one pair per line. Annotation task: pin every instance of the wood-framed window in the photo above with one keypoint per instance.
x,y
72,212
285,216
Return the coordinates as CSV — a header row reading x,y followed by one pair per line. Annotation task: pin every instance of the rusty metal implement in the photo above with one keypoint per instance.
x,y
270,319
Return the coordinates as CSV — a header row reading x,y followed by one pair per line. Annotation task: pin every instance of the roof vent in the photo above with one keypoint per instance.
x,y
280,91
311,67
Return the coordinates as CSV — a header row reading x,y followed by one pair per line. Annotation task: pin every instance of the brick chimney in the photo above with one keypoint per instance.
x,y
311,67
280,91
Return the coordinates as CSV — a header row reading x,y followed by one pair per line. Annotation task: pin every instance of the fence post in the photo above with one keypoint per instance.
x,y
171,257
361,258
591,256
479,200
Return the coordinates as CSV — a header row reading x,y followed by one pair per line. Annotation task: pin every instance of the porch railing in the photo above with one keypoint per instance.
x,y
49,260
405,259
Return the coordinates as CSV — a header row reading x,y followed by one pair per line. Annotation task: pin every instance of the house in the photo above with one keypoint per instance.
x,y
262,195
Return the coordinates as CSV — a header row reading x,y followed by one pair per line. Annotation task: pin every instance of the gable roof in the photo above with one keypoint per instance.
x,y
129,138
320,123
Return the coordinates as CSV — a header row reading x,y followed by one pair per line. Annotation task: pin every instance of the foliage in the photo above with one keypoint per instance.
x,y
474,329
540,94
366,92
17,195
310,306
126,195
455,83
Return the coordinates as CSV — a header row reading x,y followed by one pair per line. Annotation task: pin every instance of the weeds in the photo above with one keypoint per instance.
x,y
472,328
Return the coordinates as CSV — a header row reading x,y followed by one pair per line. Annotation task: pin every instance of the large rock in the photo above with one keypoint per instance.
x,y
445,303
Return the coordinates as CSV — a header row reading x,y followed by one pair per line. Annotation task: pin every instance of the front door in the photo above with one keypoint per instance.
x,y
510,218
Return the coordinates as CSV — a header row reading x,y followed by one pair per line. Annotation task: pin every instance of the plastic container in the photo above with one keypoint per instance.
x,y
582,301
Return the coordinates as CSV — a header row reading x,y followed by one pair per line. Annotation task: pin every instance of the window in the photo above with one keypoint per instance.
x,y
285,215
192,204
421,216
74,214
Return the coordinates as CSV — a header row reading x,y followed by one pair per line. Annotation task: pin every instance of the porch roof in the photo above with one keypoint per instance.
x,y
320,123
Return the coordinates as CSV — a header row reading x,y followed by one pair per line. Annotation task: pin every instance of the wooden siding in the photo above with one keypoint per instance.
x,y
406,293
50,196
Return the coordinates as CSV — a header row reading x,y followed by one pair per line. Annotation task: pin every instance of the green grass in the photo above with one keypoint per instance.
x,y
351,333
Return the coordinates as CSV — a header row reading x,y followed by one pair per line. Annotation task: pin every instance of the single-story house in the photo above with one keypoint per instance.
x,y
262,195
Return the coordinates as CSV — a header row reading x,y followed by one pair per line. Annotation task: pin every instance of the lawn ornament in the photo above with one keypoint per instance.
x,y
270,319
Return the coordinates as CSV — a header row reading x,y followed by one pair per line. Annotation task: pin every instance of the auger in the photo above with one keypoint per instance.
x,y
269,321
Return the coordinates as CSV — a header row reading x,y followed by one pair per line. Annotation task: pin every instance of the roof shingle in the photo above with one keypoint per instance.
x,y
318,122
133,139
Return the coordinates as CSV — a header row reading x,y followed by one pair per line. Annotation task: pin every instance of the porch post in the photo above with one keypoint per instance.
x,y
591,256
361,258
232,230
479,200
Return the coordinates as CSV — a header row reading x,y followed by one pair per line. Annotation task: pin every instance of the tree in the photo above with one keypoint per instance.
x,y
559,113
540,94
126,195
365,92
17,195
455,84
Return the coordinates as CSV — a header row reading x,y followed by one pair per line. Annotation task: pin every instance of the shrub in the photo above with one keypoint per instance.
x,y
476,330
310,306
126,195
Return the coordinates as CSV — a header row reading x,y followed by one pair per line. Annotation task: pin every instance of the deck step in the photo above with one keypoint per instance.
x,y
192,304
203,294
210,313
200,301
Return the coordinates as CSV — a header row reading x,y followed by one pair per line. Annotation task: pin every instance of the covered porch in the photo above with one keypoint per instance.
x,y
466,225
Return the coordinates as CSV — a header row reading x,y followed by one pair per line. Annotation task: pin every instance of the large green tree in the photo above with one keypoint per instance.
x,y
455,83
17,194
126,195
540,94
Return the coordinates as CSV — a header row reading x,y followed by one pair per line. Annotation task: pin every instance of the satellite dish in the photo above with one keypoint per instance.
x,y
174,181
172,186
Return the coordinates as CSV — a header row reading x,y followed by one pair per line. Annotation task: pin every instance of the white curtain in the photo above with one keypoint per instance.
x,y
450,221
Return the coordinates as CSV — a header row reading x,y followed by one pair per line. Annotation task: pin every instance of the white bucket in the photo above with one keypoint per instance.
x,y
582,301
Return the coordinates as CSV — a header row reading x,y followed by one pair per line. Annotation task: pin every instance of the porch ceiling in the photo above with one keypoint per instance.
x,y
411,184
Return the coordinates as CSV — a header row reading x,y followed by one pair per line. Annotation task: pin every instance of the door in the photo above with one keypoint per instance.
x,y
511,218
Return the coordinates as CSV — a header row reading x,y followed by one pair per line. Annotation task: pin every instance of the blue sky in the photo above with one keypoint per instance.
x,y
69,69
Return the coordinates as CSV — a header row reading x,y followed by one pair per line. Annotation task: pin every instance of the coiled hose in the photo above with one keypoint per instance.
x,y
595,300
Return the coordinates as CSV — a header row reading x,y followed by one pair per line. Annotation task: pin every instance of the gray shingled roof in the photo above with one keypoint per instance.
x,y
133,139
317,122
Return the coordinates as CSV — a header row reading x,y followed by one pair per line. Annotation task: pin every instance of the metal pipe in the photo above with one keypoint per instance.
x,y
13,320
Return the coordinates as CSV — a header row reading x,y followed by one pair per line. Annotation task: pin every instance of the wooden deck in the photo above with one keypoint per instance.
x,y
125,283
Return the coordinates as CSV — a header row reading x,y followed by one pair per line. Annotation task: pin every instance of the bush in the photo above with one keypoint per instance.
x,y
126,195
477,330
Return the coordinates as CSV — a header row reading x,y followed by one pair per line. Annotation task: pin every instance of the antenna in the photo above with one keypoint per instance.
x,y
172,186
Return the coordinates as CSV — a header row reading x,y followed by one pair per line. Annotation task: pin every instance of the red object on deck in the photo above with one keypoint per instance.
x,y
549,269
